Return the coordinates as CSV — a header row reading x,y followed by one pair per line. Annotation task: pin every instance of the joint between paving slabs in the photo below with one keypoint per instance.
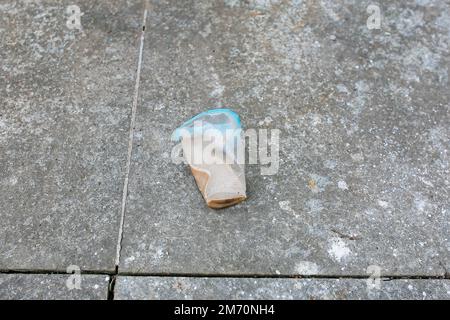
x,y
112,284
116,273
386,277
130,139
113,276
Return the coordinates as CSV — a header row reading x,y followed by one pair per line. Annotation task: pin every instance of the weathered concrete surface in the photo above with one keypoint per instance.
x,y
364,120
153,288
65,102
52,287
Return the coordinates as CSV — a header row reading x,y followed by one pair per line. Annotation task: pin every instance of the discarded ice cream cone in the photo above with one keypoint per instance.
x,y
208,142
220,187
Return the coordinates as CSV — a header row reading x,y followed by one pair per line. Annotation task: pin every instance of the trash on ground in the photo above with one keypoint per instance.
x,y
214,148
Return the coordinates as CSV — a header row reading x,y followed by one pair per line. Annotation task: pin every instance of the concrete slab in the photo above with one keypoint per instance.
x,y
364,118
154,288
52,287
65,103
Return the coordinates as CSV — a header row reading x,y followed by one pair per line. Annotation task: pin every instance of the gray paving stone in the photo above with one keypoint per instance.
x,y
52,287
65,103
153,288
364,119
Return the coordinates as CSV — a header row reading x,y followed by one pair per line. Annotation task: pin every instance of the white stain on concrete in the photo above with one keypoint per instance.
x,y
265,122
342,185
160,107
13,180
306,268
129,259
383,204
357,157
342,88
314,205
286,206
338,249
316,119
330,164
420,203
